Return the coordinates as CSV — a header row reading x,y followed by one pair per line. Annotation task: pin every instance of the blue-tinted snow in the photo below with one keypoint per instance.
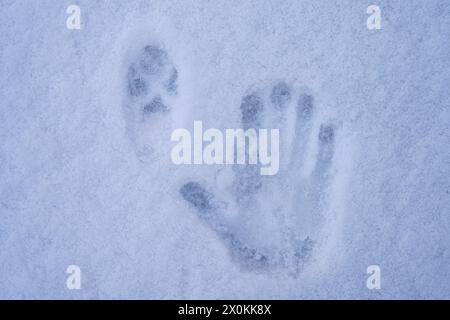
x,y
83,182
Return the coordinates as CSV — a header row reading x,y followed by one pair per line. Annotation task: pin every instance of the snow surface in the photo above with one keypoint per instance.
x,y
82,183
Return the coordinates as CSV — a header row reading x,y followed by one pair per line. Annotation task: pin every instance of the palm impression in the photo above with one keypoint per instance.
x,y
266,222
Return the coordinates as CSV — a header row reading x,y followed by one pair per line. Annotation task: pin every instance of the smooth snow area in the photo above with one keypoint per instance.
x,y
86,180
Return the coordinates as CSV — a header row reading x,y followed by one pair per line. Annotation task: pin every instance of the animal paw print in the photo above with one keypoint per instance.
x,y
273,222
151,89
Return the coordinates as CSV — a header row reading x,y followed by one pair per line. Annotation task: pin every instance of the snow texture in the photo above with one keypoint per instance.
x,y
85,171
